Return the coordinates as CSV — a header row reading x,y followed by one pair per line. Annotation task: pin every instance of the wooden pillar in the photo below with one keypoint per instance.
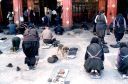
x,y
67,13
102,4
30,4
111,10
17,7
1,19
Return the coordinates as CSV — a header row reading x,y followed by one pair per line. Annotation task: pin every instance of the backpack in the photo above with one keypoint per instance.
x,y
120,24
101,18
119,21
30,33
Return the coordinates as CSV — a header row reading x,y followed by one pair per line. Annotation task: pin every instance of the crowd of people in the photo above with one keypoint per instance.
x,y
94,56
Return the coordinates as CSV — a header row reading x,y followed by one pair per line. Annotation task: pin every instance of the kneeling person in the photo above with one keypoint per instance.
x,y
122,62
47,36
30,46
94,57
59,30
15,43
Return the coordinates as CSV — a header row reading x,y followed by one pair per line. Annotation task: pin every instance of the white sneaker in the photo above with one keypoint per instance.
x,y
92,71
96,71
124,76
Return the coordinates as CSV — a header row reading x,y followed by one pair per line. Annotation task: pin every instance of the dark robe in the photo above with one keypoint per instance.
x,y
94,57
123,61
30,46
16,43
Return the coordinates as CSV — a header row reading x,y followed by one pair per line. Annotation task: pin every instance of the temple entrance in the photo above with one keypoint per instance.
x,y
122,7
6,6
40,7
84,10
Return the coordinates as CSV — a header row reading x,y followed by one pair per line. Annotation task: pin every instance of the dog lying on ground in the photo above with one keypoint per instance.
x,y
62,49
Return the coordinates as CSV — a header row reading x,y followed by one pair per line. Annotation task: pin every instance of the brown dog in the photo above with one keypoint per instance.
x,y
62,49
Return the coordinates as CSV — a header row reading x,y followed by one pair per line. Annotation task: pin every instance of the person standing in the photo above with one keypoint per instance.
x,y
119,27
30,46
25,15
101,25
59,10
10,16
32,16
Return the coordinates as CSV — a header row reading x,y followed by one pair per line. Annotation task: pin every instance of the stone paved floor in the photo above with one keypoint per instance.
x,y
77,74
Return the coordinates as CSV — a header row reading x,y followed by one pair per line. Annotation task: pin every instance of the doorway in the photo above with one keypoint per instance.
x,y
122,7
84,10
6,6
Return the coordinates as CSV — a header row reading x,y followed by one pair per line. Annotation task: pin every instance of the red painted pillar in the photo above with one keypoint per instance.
x,y
17,8
101,5
67,13
30,4
111,10
1,14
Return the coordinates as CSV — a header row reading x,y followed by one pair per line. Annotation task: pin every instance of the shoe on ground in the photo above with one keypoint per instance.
x,y
10,65
18,68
